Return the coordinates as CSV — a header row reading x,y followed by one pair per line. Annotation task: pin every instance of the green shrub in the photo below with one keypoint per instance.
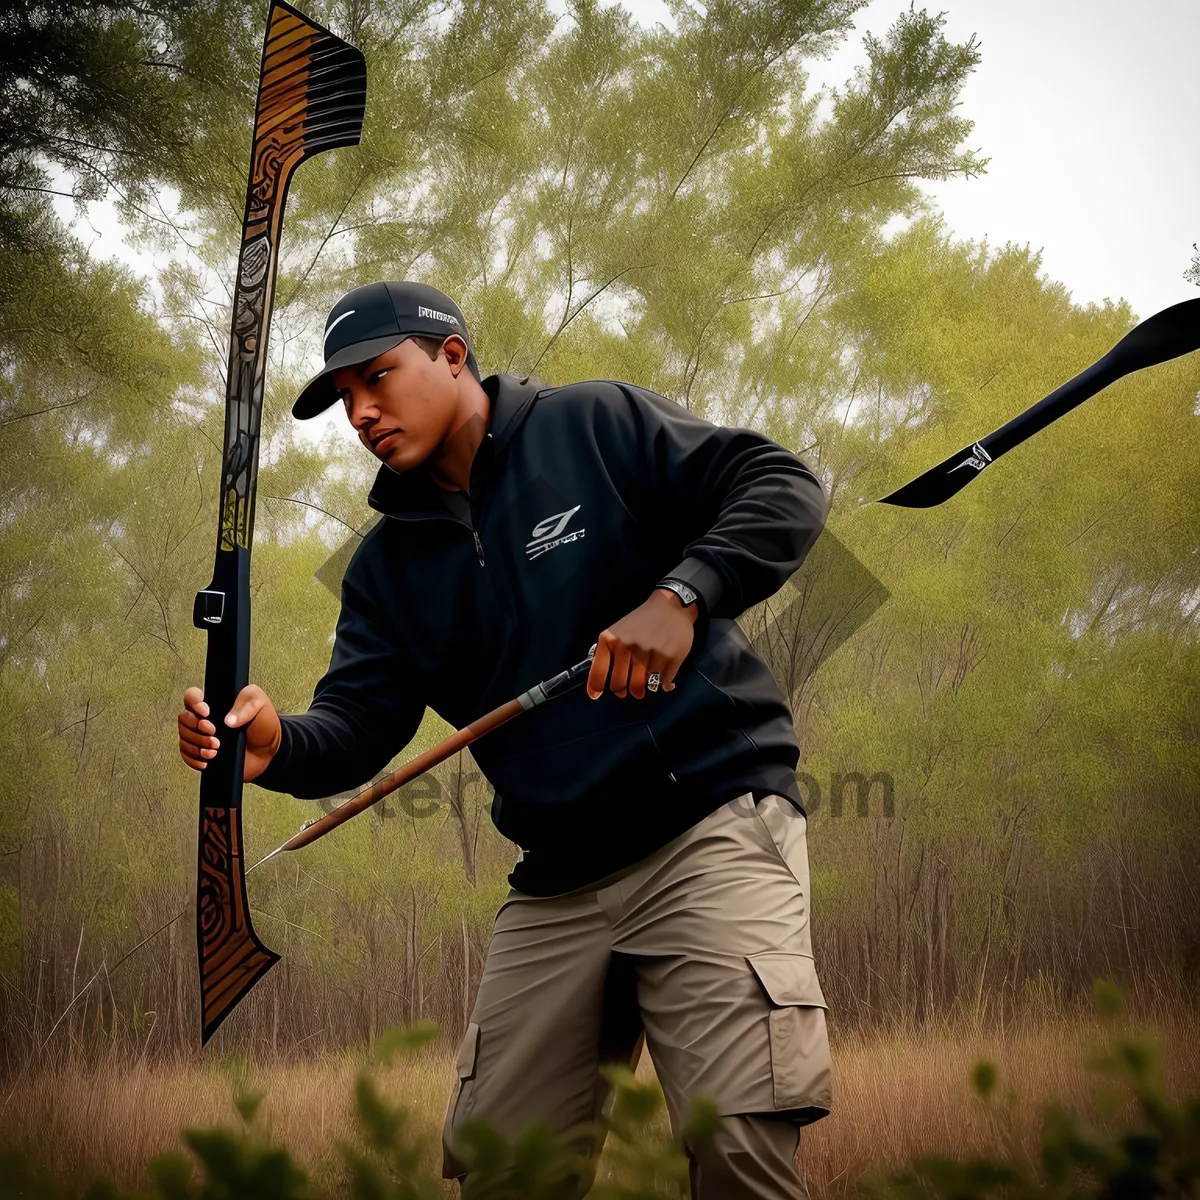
x,y
241,1164
1158,1155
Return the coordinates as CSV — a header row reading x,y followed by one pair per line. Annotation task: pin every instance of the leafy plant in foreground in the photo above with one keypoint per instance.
x,y
1155,1155
242,1164
1158,1155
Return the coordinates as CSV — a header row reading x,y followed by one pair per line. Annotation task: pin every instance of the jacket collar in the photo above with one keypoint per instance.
x,y
413,493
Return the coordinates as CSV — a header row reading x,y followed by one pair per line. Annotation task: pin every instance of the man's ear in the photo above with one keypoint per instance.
x,y
455,350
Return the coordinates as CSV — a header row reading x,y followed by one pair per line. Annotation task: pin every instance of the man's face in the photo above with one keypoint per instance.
x,y
401,404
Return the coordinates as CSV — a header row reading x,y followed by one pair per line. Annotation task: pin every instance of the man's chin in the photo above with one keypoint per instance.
x,y
393,454
401,459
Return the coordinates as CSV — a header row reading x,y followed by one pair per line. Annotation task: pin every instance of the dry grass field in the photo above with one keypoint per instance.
x,y
895,1095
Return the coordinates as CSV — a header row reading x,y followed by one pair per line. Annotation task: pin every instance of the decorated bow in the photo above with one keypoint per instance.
x,y
311,97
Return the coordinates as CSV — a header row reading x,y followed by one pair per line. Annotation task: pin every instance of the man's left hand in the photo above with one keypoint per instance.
x,y
656,636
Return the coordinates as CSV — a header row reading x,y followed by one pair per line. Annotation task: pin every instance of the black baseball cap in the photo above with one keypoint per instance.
x,y
372,319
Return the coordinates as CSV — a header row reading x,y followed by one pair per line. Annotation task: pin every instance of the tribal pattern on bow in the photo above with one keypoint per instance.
x,y
311,97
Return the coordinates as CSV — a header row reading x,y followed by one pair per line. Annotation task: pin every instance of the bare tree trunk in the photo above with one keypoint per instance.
x,y
373,1015
466,978
930,936
411,954
943,983
460,814
419,988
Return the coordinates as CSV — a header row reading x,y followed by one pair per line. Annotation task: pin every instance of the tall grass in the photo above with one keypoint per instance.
x,y
896,1094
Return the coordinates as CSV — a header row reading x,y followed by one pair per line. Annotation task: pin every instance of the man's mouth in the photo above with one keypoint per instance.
x,y
378,441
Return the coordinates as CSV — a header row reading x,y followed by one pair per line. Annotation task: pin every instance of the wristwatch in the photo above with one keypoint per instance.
x,y
687,594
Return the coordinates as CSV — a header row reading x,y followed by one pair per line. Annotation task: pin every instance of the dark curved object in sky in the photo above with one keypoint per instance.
x,y
1168,334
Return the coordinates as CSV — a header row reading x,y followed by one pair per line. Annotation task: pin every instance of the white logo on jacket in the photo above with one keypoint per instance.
x,y
546,533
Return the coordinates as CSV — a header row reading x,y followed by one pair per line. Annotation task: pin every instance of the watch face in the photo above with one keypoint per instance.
x,y
682,590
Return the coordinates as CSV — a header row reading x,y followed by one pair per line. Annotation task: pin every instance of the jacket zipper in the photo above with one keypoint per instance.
x,y
474,531
438,516
447,517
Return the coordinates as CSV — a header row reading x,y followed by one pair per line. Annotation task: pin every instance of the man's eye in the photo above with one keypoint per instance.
x,y
377,376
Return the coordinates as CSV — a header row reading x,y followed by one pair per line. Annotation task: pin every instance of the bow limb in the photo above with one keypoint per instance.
x,y
1168,334
311,97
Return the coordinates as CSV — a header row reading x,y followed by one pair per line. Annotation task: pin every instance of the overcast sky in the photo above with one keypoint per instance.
x,y
1090,113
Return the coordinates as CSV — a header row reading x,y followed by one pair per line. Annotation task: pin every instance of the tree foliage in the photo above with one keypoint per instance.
x,y
675,207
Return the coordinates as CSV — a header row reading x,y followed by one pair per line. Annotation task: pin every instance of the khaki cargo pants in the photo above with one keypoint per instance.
x,y
703,951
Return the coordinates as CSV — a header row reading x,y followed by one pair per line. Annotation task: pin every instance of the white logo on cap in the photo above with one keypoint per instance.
x,y
422,311
344,315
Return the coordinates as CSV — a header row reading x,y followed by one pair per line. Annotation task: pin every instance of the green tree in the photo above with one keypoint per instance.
x,y
673,207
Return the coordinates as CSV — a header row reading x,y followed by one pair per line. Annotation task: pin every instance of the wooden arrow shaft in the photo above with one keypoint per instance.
x,y
548,689
397,779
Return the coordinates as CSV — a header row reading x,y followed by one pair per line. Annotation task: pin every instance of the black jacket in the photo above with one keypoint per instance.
x,y
581,498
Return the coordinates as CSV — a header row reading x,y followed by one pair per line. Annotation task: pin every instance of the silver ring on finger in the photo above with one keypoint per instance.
x,y
652,681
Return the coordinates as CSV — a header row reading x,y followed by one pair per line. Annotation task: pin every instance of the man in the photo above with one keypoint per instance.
x,y
663,890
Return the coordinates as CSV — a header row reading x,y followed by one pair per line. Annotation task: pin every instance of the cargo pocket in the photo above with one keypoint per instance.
x,y
801,1070
464,1067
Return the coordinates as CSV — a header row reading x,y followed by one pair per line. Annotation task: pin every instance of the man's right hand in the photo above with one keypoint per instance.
x,y
197,734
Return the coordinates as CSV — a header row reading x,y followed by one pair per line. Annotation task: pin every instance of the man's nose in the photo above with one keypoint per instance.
x,y
362,411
